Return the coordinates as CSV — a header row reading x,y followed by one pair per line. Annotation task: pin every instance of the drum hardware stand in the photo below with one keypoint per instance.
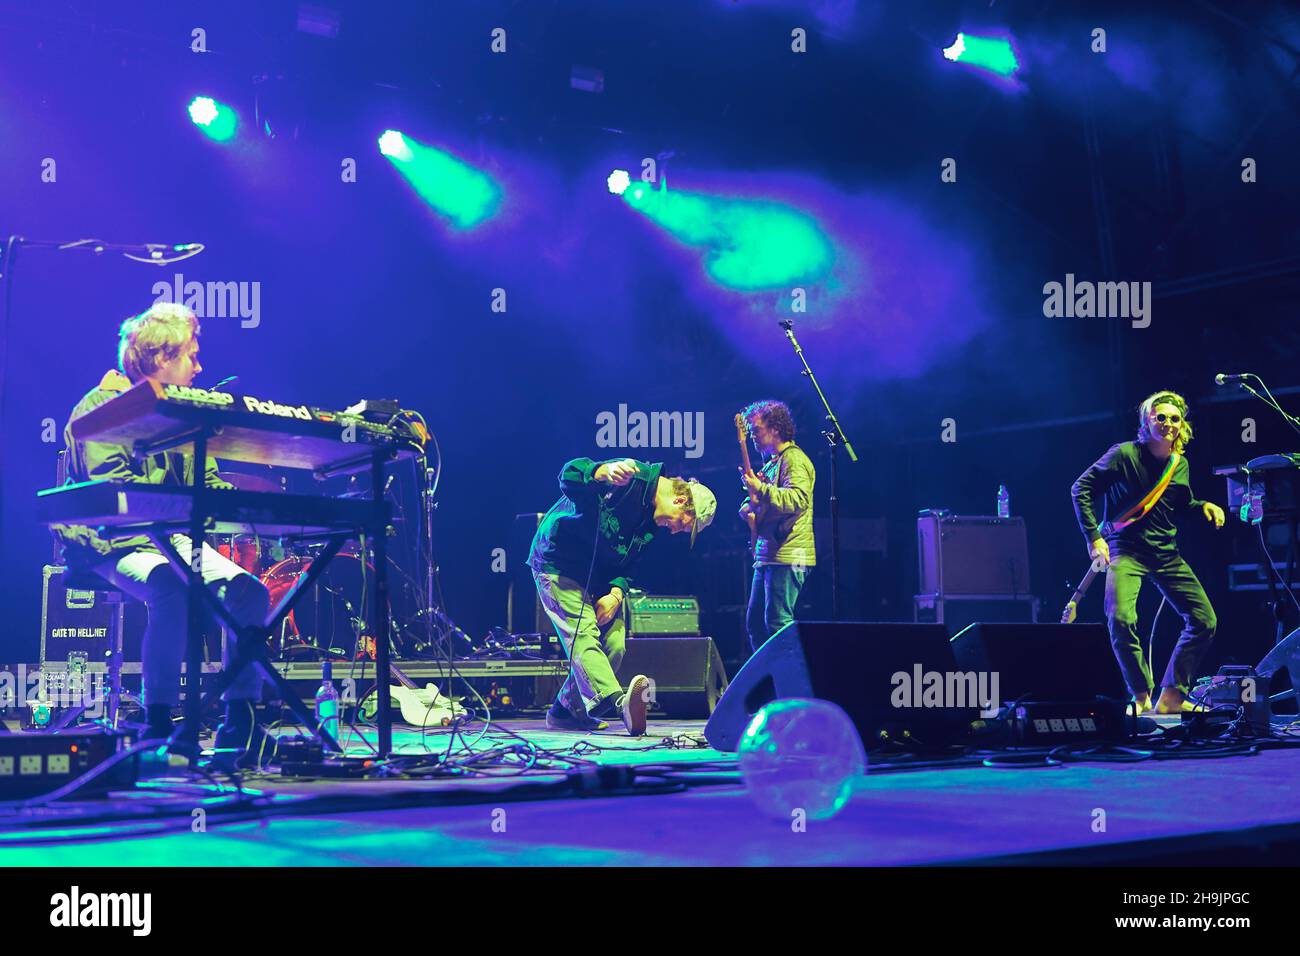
x,y
835,437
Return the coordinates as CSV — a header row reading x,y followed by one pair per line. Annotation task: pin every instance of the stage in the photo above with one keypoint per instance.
x,y
1226,810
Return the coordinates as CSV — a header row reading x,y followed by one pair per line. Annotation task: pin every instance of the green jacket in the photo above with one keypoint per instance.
x,y
567,543
103,461
785,510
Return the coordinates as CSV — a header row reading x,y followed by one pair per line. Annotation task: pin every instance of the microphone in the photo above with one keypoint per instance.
x,y
225,381
1222,379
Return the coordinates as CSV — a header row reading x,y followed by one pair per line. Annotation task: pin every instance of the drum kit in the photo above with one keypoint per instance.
x,y
331,620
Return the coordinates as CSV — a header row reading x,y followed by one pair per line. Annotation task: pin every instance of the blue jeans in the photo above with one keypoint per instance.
x,y
771,600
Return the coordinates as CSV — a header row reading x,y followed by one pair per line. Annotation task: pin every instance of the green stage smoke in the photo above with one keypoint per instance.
x,y
752,244
456,190
994,54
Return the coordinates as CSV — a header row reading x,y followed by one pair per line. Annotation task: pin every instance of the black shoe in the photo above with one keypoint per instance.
x,y
563,720
240,742
158,722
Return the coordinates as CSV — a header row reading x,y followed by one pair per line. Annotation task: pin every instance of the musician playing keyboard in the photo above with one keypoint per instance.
x,y
162,345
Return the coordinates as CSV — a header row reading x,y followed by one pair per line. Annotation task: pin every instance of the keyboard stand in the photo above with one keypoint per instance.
x,y
251,640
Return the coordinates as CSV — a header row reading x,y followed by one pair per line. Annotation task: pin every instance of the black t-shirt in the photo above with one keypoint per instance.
x,y
1120,479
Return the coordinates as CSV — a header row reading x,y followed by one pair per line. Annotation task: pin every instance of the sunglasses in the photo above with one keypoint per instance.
x,y
1161,417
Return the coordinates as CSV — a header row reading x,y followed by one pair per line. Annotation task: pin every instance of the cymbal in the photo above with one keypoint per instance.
x,y
247,482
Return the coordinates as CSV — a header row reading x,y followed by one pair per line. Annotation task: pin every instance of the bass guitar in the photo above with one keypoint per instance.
x,y
1072,607
751,515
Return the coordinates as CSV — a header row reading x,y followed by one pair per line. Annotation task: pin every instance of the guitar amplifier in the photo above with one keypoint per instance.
x,y
652,614
972,555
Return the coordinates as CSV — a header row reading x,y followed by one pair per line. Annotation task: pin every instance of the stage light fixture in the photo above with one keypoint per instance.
x,y
393,145
618,181
216,120
992,53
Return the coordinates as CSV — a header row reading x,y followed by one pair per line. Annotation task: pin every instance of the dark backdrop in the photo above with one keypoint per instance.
x,y
1121,165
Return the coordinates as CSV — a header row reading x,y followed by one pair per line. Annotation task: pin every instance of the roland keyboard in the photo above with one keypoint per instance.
x,y
125,506
151,417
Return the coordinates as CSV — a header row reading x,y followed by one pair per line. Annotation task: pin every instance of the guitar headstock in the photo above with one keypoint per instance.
x,y
742,428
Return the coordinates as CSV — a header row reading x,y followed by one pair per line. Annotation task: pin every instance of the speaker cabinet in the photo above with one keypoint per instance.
x,y
855,665
688,675
973,555
1043,662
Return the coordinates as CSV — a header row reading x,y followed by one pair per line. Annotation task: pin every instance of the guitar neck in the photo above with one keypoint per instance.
x,y
744,455
1082,589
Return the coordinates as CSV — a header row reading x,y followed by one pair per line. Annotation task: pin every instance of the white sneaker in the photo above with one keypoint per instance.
x,y
634,705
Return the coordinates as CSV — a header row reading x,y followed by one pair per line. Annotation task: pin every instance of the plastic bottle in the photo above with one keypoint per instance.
x,y
327,701
1004,502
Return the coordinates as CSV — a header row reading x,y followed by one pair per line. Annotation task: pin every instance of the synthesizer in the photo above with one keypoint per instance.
x,y
122,506
152,417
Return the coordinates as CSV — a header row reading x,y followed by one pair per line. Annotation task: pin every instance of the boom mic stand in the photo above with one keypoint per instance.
x,y
835,437
1279,607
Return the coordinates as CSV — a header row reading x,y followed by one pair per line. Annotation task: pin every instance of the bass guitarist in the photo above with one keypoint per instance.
x,y
779,512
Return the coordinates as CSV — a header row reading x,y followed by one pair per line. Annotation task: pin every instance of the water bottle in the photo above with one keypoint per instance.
x,y
327,701
1004,502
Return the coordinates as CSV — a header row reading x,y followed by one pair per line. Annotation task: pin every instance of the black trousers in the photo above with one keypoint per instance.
x,y
1180,586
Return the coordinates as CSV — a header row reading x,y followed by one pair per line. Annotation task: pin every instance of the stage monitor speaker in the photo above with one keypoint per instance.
x,y
1285,656
854,665
688,675
1042,662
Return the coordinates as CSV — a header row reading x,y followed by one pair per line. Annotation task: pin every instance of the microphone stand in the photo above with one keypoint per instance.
x,y
1279,607
1270,401
835,437
150,253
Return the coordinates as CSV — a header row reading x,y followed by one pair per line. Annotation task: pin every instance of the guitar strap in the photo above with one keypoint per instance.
x,y
1139,510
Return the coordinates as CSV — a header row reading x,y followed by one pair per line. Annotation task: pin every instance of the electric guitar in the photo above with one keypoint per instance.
x,y
751,516
422,707
1072,608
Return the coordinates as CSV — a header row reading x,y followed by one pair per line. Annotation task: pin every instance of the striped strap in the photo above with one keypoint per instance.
x,y
1139,510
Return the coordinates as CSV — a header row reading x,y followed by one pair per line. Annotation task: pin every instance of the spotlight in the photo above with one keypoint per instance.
x,y
393,144
216,120
618,181
994,54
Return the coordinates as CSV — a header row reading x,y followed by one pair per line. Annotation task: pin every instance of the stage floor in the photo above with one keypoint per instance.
x,y
1226,808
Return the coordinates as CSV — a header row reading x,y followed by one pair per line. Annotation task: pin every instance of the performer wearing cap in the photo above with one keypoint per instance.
x,y
585,546
781,503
